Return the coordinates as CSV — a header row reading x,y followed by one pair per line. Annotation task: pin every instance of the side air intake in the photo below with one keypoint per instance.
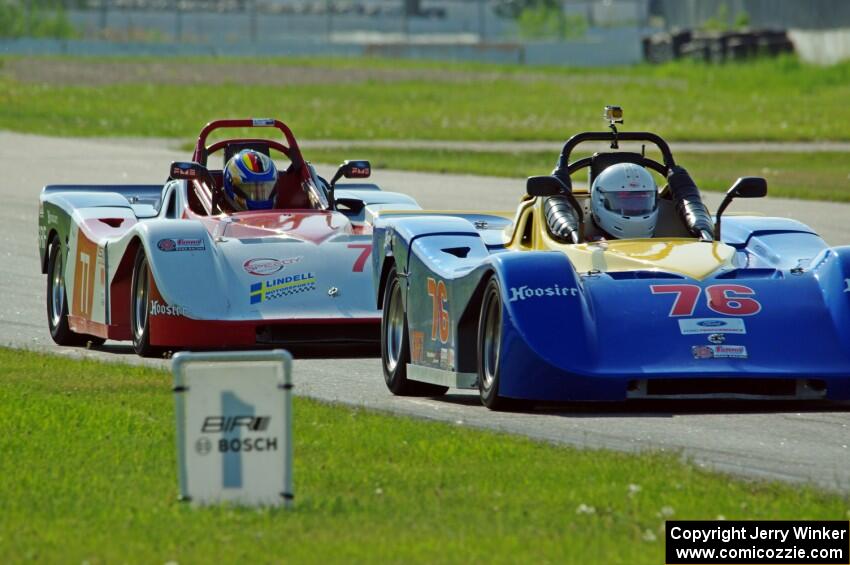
x,y
689,204
562,219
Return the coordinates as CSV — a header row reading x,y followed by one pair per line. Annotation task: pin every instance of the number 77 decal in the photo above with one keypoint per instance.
x,y
727,299
365,249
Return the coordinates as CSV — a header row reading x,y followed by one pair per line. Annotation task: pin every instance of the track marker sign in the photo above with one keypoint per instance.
x,y
234,427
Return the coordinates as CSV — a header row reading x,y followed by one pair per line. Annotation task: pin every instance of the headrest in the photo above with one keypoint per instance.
x,y
601,161
233,148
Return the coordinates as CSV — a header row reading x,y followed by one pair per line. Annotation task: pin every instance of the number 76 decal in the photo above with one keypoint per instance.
x,y
728,299
439,314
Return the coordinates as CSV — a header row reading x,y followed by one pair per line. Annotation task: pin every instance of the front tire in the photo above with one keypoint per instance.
x,y
395,346
489,350
57,302
140,306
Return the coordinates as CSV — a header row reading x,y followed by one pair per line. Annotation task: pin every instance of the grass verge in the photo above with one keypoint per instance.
x,y
88,474
812,176
774,99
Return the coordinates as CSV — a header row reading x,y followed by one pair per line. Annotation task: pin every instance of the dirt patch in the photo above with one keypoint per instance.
x,y
100,73
88,72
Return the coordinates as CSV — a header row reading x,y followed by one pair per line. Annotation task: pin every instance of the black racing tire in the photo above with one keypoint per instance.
x,y
395,346
489,349
140,307
57,302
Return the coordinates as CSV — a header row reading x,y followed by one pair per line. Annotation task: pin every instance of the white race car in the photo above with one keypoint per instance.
x,y
168,267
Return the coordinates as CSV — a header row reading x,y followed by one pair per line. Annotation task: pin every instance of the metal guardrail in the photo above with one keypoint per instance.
x,y
715,47
761,14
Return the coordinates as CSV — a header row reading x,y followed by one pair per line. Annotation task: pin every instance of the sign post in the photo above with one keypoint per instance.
x,y
234,427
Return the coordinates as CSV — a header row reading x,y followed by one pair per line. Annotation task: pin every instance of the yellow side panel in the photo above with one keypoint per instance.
x,y
689,257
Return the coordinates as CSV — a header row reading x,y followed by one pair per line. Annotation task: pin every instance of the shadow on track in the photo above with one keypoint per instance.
x,y
312,351
117,348
657,408
670,408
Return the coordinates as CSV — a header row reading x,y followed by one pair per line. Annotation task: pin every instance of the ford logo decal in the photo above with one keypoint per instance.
x,y
711,323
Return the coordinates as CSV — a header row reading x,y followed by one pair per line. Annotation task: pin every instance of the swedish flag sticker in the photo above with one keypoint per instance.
x,y
256,293
282,286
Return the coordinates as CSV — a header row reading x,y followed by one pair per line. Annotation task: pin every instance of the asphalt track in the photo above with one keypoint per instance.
x,y
788,441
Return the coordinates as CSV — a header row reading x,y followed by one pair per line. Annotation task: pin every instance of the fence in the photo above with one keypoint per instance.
x,y
574,33
359,21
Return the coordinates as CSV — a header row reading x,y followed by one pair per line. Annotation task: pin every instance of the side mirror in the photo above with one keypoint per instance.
x,y
744,187
551,185
748,187
544,186
352,170
185,170
189,170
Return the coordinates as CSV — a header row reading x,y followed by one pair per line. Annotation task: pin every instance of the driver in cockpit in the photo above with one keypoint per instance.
x,y
249,181
624,202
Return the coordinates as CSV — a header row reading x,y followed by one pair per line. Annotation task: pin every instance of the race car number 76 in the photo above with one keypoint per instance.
x,y
727,299
440,314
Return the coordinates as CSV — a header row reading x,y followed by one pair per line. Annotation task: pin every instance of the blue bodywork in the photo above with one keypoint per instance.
x,y
606,336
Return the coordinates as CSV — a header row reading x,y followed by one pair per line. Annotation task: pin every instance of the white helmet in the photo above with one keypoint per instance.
x,y
624,201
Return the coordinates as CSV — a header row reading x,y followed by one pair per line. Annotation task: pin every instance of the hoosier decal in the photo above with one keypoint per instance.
x,y
525,292
162,309
282,286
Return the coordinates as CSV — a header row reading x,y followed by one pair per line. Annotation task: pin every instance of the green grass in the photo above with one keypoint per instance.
x,y
813,176
88,473
780,99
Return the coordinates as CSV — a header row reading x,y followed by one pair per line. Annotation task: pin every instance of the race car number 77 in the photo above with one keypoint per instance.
x,y
727,299
365,249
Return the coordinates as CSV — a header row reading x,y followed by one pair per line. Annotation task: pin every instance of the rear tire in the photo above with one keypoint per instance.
x,y
395,346
140,307
489,351
57,302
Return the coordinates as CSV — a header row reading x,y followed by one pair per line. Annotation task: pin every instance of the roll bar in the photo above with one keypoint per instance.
x,y
291,149
564,169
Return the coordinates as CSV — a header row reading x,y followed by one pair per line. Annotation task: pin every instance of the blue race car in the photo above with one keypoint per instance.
x,y
545,304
